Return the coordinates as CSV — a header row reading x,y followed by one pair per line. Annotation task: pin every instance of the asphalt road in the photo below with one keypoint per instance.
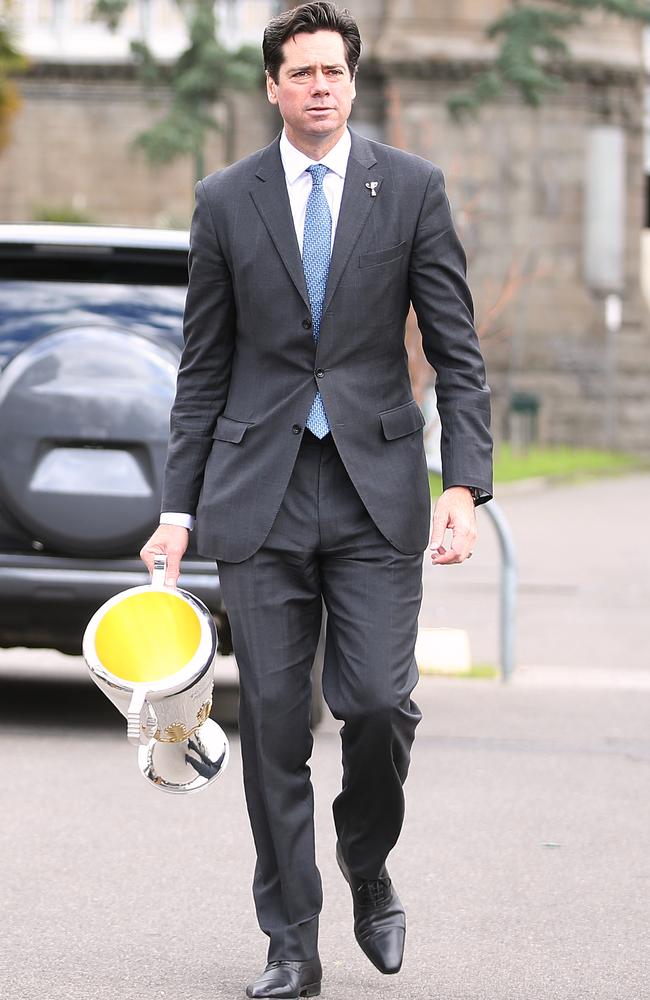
x,y
524,863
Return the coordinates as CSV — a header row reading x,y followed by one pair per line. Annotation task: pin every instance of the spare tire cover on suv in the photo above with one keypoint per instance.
x,y
84,414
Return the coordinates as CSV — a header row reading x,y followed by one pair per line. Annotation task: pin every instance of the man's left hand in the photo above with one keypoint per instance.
x,y
454,510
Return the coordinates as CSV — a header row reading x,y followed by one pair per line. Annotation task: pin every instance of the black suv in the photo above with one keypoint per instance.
x,y
90,338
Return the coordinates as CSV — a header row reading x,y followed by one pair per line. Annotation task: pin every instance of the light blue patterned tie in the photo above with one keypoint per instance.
x,y
316,252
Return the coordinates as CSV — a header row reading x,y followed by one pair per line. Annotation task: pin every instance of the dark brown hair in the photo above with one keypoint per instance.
x,y
320,15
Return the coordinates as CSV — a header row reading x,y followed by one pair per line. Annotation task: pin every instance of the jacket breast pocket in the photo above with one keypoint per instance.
x,y
402,420
231,430
382,256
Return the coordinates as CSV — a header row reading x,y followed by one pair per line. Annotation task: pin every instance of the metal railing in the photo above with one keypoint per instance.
x,y
508,583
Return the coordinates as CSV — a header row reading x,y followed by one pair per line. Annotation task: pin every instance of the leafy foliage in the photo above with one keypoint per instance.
x,y
197,81
11,62
110,11
59,213
532,49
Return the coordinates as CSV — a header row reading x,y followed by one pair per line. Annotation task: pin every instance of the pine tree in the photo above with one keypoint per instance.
x,y
198,80
532,52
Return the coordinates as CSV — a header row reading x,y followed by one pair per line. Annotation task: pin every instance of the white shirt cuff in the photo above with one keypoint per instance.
x,y
180,520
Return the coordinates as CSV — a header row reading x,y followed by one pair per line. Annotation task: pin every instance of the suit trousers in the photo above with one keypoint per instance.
x,y
323,548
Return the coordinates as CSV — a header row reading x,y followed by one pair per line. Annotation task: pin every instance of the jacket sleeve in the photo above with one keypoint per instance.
x,y
204,374
445,313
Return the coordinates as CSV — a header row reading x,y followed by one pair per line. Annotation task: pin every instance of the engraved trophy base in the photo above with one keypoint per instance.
x,y
186,765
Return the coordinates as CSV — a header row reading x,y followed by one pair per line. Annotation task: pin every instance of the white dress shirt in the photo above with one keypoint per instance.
x,y
299,182
299,185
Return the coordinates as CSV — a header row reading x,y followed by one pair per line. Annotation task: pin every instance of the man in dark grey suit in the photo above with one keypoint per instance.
x,y
296,442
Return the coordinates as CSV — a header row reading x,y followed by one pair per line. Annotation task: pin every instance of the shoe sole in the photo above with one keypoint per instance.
x,y
313,990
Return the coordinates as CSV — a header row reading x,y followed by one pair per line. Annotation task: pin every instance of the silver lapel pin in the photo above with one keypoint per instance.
x,y
372,187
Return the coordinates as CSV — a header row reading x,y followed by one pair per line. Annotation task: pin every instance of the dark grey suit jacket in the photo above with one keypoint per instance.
x,y
250,367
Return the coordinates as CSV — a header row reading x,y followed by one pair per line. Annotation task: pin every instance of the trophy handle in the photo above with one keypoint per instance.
x,y
141,719
159,572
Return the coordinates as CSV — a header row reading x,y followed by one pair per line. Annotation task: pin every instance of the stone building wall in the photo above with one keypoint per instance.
x,y
515,177
72,147
516,181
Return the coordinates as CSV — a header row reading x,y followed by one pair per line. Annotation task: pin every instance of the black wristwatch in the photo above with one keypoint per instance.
x,y
476,494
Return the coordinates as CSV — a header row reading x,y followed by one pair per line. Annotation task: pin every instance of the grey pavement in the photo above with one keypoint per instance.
x,y
524,862
584,594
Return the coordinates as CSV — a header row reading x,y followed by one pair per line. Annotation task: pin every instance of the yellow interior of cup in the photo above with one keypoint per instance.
x,y
148,636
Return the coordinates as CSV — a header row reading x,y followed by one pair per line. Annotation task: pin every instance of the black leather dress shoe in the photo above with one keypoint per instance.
x,y
287,981
379,918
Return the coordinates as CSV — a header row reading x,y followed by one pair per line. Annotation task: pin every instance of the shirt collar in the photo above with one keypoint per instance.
x,y
295,163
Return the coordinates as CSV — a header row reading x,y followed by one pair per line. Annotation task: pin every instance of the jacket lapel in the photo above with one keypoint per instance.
x,y
272,202
269,194
356,205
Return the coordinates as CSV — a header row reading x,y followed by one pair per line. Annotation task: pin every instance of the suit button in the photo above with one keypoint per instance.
x,y
306,324
319,373
296,428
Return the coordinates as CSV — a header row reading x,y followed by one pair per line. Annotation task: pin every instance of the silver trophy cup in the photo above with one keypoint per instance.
x,y
151,651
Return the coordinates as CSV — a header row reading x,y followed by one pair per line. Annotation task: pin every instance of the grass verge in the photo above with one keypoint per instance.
x,y
478,672
562,464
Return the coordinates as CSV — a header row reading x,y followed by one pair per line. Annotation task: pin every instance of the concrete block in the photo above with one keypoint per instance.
x,y
443,650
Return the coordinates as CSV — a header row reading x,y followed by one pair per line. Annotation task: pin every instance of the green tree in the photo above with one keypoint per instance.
x,y
532,51
198,80
11,62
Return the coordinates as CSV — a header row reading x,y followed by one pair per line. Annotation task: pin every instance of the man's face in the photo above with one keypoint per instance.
x,y
314,91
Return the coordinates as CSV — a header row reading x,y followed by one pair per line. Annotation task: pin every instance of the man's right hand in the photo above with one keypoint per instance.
x,y
167,540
